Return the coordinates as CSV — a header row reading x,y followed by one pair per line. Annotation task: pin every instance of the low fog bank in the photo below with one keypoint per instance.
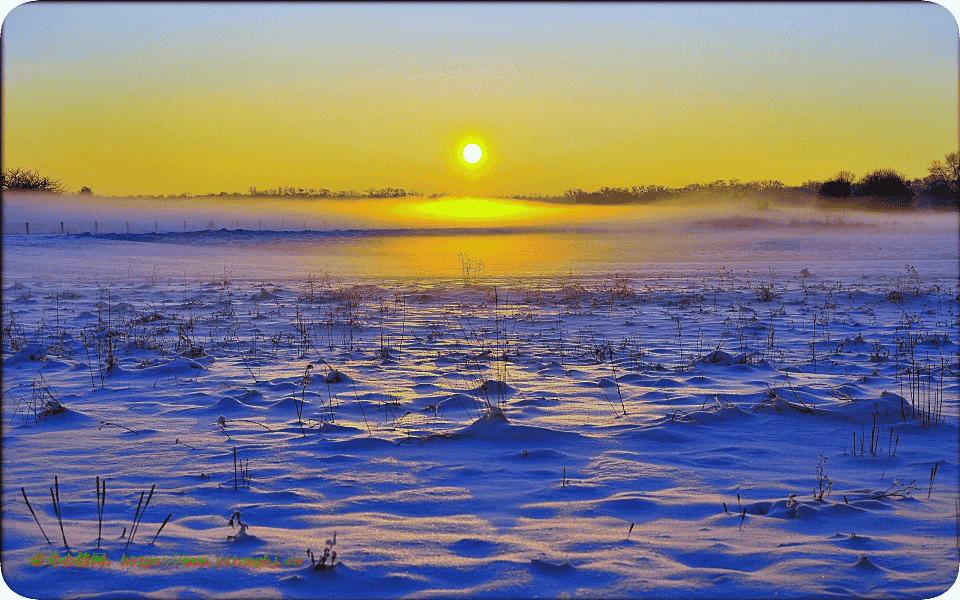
x,y
46,213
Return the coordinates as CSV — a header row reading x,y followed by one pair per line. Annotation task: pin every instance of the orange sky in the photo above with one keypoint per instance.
x,y
173,98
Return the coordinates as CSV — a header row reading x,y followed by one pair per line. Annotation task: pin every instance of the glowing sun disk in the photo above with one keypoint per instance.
x,y
472,153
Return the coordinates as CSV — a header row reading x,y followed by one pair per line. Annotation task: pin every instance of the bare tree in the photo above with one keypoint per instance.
x,y
24,179
948,171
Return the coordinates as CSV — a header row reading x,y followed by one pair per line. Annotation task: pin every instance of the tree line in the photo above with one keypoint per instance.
x,y
884,188
653,193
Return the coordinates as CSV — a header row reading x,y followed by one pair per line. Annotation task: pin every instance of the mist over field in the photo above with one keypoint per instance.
x,y
79,214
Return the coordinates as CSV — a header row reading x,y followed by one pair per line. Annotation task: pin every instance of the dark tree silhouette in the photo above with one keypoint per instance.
x,y
887,186
882,188
838,187
24,179
948,171
85,191
943,183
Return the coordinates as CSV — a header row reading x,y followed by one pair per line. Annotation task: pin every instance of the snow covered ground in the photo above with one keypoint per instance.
x,y
758,410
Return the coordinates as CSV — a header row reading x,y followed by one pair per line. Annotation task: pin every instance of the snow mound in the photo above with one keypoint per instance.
x,y
492,421
723,359
551,568
716,414
179,366
263,295
889,408
865,564
29,352
494,426
493,388
336,376
231,406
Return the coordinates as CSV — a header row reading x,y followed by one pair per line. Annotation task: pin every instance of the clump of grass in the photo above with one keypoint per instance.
x,y
328,553
43,402
765,293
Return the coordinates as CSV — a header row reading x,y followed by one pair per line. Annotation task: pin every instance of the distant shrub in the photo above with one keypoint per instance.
x,y
884,183
838,187
85,191
23,179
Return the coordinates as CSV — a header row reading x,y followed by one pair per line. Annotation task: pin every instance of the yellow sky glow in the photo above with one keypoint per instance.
x,y
223,97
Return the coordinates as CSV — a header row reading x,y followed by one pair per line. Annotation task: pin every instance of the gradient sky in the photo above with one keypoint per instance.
x,y
173,98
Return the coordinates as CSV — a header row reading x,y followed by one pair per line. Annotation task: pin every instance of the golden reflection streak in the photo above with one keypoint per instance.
x,y
472,209
494,212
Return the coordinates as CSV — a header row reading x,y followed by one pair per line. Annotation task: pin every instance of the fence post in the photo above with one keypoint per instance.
x,y
27,225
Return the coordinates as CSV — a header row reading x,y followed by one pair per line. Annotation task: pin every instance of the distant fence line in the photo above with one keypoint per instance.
x,y
47,227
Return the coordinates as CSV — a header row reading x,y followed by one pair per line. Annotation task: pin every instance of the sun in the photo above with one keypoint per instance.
x,y
472,153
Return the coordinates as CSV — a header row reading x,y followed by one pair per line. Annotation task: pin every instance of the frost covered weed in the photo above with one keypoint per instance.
x,y
878,354
470,270
241,477
910,285
824,483
298,404
896,490
615,290
765,293
236,523
328,553
14,336
185,344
